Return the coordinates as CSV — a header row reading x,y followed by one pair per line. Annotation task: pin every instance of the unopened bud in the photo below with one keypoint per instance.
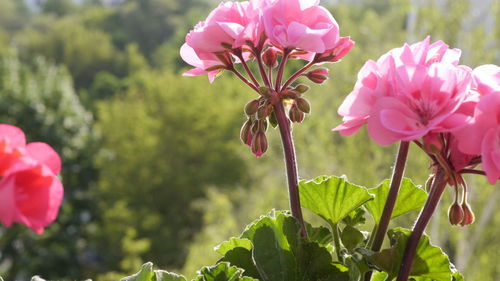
x,y
295,114
264,111
265,91
318,75
270,57
251,107
302,88
303,105
290,94
433,143
468,215
246,133
259,144
272,120
455,214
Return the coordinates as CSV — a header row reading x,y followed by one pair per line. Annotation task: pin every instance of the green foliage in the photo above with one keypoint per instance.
x,y
332,198
430,262
222,272
148,274
410,198
160,121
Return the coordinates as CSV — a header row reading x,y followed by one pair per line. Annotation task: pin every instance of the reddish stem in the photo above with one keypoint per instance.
x,y
297,74
237,73
281,70
291,164
437,189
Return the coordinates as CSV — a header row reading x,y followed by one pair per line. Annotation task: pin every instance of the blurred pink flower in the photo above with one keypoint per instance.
x,y
486,79
300,24
404,84
483,135
204,63
30,192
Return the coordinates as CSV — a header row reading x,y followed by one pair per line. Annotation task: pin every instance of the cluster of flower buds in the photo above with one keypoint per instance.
x,y
253,132
236,33
420,93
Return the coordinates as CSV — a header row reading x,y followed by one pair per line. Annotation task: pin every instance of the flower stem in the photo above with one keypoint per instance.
x,y
297,74
437,189
291,164
262,71
242,78
397,176
336,241
281,70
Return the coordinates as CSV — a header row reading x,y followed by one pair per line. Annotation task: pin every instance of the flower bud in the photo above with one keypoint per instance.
x,y
303,105
455,214
432,143
318,75
265,91
259,144
295,114
246,133
251,107
302,88
290,94
272,120
264,111
270,57
468,215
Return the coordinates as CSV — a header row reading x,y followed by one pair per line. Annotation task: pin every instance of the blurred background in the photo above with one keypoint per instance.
x,y
153,166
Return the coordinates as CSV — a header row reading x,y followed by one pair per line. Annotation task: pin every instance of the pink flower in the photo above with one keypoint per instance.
x,y
343,46
482,136
404,83
231,24
486,79
300,24
30,192
204,63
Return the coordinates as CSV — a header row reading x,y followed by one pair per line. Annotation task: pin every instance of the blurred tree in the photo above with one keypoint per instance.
x,y
58,7
41,100
164,141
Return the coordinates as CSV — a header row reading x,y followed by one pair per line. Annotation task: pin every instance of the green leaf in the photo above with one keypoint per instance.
x,y
430,261
232,243
280,254
147,274
355,217
162,275
332,198
410,198
379,276
320,235
222,272
238,252
351,237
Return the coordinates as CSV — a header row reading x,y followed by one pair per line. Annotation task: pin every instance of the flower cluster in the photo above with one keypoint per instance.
x,y
420,93
30,192
262,31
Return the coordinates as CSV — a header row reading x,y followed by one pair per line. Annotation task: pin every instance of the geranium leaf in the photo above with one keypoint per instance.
x,y
332,198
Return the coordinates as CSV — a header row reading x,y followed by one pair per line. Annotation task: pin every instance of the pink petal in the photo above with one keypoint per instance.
x,y
44,154
13,134
490,153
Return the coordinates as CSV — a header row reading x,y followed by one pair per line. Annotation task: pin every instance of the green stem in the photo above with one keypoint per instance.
x,y
336,241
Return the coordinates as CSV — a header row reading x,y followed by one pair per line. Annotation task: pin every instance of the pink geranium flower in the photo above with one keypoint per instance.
x,y
482,136
300,24
404,83
30,192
